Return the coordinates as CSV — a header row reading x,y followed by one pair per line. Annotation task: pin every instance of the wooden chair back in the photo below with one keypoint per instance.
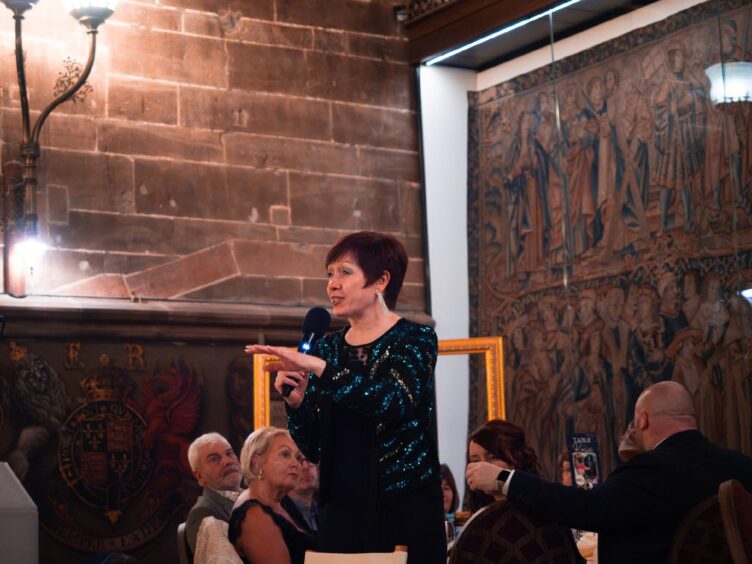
x,y
736,514
700,538
184,552
503,533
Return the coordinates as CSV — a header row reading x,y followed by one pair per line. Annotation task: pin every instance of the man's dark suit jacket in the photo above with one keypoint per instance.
x,y
209,504
639,507
289,505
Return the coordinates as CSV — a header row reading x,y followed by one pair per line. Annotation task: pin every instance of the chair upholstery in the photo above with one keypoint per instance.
x,y
700,538
399,556
184,553
503,533
736,512
212,544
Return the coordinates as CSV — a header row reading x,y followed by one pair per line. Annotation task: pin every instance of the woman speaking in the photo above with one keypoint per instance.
x,y
363,405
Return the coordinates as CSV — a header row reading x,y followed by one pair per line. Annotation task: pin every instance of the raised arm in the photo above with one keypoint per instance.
x,y
626,499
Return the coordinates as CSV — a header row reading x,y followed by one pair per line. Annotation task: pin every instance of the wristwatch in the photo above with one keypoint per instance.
x,y
501,479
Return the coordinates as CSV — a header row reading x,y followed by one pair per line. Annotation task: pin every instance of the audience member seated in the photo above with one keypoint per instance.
x,y
637,510
301,503
498,444
261,530
587,541
215,465
449,489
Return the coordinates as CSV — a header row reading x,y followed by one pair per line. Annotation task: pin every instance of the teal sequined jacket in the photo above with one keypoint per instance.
x,y
395,389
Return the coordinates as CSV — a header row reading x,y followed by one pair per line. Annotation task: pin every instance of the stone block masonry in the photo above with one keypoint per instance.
x,y
224,145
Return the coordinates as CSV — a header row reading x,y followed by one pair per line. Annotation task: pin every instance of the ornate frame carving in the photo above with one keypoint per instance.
x,y
489,347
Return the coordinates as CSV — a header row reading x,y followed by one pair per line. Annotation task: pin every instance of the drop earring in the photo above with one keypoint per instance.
x,y
382,303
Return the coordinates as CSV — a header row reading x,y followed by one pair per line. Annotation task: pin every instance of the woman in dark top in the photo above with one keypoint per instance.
x,y
260,529
363,405
501,444
449,490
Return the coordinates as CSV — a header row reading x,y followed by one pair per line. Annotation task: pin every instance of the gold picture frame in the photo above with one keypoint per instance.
x,y
493,357
489,347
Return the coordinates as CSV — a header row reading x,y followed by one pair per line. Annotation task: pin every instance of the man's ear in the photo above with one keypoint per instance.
x,y
643,420
199,478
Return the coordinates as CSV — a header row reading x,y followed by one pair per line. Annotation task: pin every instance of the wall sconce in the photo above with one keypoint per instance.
x,y
401,12
730,82
90,14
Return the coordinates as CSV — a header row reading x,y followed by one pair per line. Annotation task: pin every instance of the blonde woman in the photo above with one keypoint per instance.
x,y
260,528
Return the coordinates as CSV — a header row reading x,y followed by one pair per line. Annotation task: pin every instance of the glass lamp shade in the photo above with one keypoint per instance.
x,y
730,82
19,6
31,249
90,13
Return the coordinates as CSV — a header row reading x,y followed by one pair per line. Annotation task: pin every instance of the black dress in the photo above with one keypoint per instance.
x,y
297,541
370,422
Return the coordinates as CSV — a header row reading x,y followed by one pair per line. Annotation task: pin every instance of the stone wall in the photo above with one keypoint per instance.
x,y
223,146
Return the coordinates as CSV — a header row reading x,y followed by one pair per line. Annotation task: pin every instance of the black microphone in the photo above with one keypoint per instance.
x,y
315,324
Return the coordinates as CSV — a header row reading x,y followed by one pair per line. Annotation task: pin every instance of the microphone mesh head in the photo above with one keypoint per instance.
x,y
317,321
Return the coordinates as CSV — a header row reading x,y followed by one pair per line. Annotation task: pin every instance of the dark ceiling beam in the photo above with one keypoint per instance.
x,y
459,22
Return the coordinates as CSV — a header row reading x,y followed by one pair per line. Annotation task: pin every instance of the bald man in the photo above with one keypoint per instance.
x,y
639,507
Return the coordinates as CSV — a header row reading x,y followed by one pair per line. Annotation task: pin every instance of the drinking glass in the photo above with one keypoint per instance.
x,y
450,532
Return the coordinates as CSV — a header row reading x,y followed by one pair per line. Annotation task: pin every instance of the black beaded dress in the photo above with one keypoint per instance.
x,y
369,420
297,541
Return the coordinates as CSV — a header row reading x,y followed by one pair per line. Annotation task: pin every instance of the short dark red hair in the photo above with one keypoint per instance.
x,y
374,253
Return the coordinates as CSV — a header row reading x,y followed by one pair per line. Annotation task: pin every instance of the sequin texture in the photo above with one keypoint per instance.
x,y
394,389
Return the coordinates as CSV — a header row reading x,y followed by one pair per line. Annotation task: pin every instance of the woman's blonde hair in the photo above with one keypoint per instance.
x,y
258,443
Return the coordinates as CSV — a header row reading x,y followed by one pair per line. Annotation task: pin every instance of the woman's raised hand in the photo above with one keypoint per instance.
x,y
481,477
292,368
298,381
288,360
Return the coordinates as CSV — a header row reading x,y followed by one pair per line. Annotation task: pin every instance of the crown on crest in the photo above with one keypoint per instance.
x,y
107,383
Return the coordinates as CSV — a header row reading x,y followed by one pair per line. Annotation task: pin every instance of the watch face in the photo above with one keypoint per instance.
x,y
503,475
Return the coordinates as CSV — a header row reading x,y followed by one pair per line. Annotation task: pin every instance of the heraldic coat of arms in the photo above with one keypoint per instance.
x,y
101,452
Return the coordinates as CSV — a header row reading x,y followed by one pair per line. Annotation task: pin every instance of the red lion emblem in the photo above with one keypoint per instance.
x,y
171,400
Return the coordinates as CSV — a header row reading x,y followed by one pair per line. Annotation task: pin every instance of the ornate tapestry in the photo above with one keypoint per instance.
x,y
609,246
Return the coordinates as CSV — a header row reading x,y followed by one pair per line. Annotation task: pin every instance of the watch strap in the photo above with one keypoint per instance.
x,y
501,479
